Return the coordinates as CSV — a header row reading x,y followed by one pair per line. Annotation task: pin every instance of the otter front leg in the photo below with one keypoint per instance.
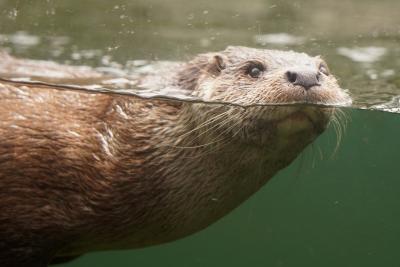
x,y
61,260
18,255
22,257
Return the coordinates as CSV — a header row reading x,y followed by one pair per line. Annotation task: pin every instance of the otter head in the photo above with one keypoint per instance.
x,y
284,90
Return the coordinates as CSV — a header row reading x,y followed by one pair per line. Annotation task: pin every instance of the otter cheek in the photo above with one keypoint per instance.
x,y
207,90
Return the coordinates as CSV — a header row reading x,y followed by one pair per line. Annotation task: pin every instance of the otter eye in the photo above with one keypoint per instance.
x,y
323,68
255,70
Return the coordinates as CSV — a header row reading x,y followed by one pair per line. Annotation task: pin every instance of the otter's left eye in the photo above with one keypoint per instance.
x,y
323,68
255,70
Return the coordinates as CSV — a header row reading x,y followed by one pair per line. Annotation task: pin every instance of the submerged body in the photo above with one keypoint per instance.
x,y
82,172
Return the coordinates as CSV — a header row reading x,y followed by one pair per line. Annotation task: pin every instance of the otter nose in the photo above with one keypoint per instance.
x,y
305,78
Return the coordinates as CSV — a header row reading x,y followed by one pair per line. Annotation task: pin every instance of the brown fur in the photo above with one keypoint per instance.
x,y
82,172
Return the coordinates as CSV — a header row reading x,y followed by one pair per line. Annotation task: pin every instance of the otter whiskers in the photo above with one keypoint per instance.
x,y
220,138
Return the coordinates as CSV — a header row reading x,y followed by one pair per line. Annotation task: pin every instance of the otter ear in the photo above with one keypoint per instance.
x,y
203,65
216,65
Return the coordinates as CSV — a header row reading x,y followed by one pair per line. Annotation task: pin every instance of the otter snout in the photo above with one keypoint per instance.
x,y
306,78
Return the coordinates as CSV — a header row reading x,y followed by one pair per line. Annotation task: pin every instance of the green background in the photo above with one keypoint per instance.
x,y
341,209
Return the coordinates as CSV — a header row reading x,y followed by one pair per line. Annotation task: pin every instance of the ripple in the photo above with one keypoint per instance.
x,y
367,54
21,39
278,39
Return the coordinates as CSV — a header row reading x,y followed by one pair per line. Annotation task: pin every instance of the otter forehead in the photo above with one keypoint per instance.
x,y
274,59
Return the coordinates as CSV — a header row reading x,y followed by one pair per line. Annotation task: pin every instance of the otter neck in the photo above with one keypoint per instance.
x,y
186,186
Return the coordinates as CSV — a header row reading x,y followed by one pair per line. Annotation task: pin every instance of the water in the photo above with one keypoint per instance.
x,y
336,211
366,58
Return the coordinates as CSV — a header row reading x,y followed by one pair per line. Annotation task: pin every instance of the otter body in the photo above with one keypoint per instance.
x,y
81,172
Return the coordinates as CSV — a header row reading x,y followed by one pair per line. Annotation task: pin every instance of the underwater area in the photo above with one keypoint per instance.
x,y
332,206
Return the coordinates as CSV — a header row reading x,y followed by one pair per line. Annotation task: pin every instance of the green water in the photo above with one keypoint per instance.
x,y
341,210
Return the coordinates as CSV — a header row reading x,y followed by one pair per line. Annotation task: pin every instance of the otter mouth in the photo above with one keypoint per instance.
x,y
305,119
291,123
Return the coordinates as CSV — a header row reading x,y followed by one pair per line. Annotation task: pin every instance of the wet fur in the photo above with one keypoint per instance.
x,y
82,172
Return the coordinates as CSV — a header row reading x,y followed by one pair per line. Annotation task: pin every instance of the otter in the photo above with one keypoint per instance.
x,y
81,172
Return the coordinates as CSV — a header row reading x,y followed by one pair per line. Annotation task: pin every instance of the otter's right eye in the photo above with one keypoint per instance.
x,y
255,70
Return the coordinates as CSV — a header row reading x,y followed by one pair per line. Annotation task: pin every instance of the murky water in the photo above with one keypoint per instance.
x,y
340,211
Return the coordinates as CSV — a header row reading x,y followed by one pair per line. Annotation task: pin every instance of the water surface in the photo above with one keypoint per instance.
x,y
363,53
